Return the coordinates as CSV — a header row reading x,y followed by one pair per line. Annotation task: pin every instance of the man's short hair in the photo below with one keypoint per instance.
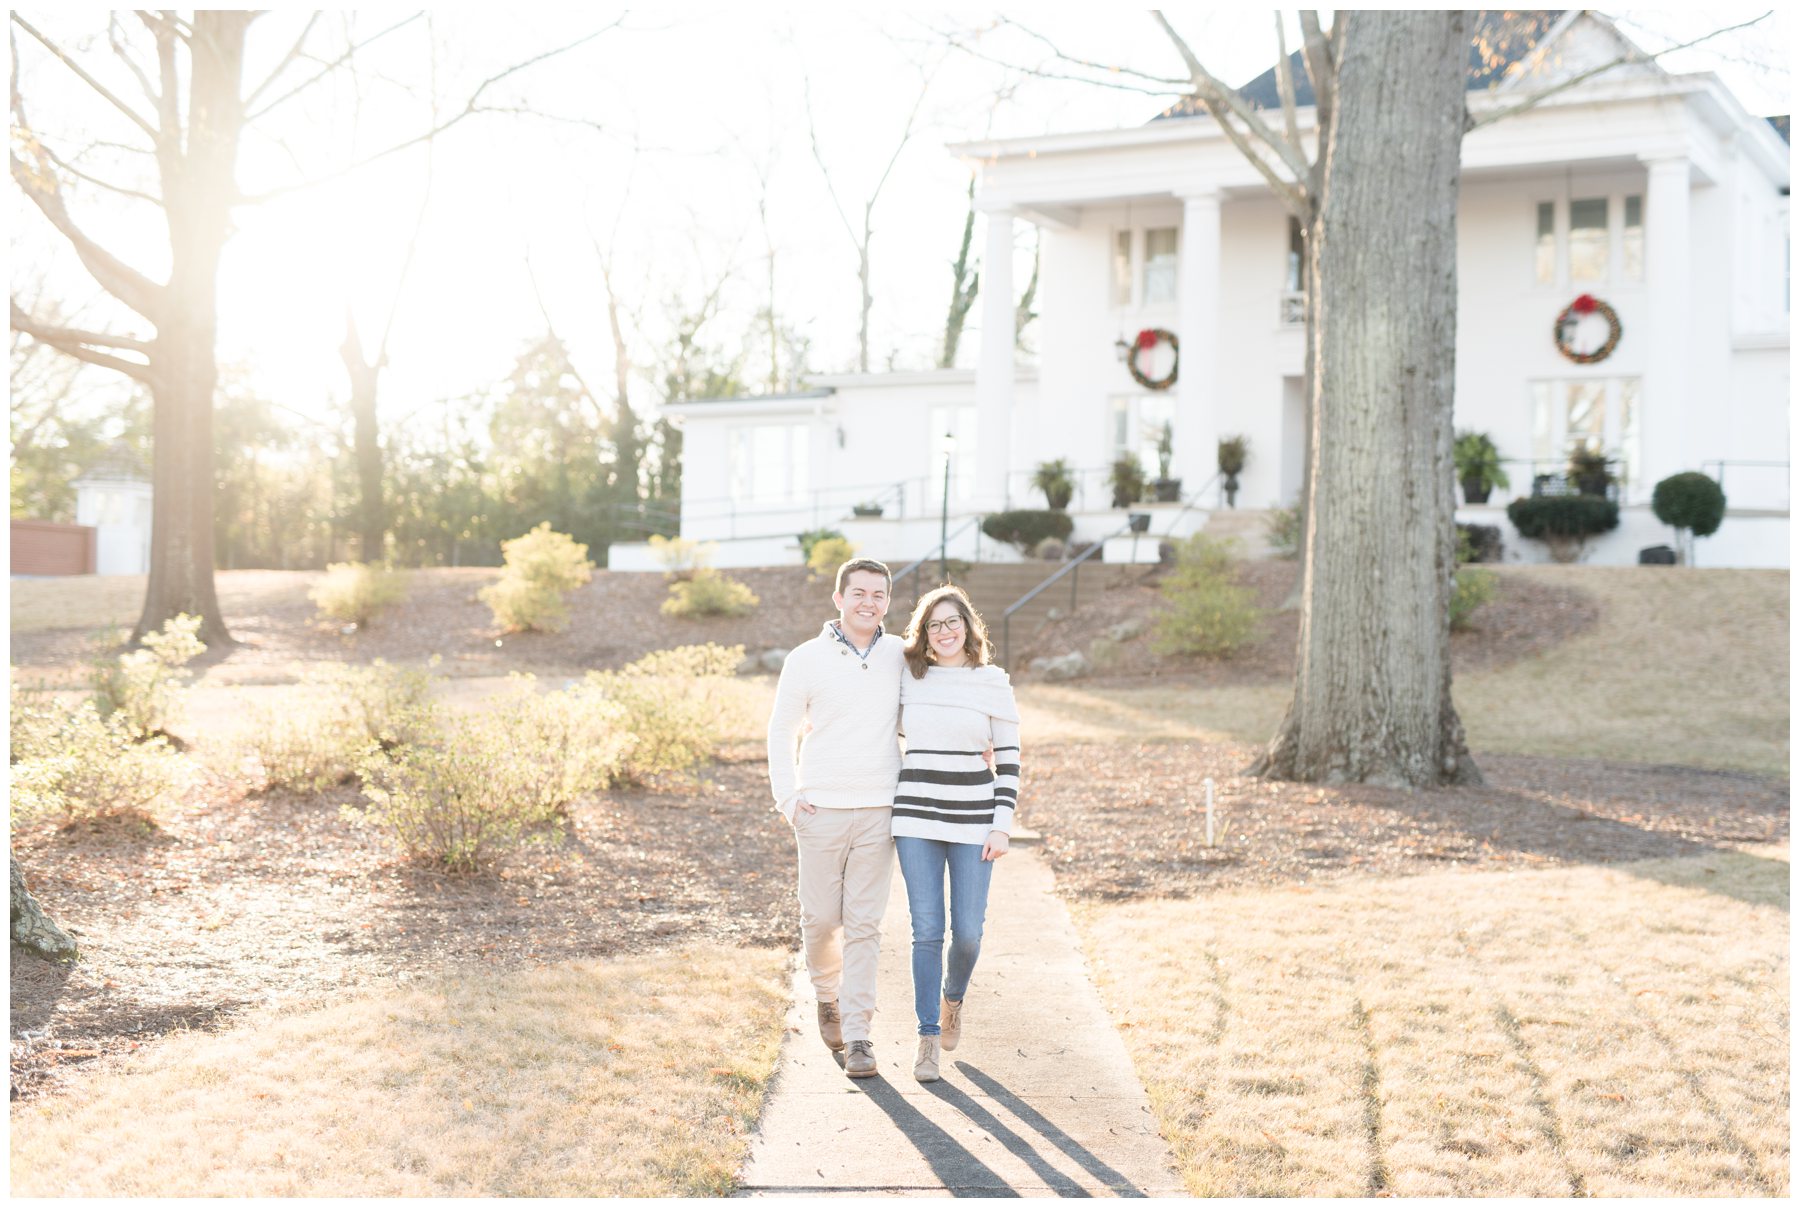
x,y
855,564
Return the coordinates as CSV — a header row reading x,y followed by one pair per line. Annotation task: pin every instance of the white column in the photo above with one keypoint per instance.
x,y
994,371
1668,382
1196,388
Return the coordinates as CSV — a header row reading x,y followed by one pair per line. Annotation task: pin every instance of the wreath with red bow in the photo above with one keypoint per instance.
x,y
1147,339
1571,316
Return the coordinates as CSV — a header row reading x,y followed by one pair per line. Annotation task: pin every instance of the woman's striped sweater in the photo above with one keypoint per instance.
x,y
947,719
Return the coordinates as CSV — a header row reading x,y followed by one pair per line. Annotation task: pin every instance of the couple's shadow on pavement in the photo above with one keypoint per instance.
x,y
960,1169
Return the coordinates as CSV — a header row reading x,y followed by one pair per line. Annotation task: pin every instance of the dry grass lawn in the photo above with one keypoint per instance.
x,y
111,601
629,1078
1586,1031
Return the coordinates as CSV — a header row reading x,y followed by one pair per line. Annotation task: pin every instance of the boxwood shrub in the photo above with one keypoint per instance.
x,y
1024,528
1563,522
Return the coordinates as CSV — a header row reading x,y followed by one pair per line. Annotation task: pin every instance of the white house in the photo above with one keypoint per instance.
x,y
113,497
1653,193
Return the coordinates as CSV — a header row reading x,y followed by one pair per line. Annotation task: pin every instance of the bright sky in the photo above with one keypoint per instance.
x,y
675,113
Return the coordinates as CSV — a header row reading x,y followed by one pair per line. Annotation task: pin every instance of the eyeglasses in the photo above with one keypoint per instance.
x,y
947,625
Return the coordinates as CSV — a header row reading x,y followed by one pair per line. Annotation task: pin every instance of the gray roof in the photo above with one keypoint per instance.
x,y
1780,122
120,463
1500,40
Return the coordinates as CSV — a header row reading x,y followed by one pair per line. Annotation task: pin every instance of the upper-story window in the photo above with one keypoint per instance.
x,y
1161,265
1589,241
1145,267
769,464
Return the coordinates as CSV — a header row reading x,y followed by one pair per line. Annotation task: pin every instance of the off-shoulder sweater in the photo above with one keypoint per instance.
x,y
946,790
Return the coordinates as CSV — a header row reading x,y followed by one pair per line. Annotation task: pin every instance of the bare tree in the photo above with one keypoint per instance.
x,y
861,237
965,283
193,114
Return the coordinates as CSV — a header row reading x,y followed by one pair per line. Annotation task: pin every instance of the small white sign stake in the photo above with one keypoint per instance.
x,y
1209,811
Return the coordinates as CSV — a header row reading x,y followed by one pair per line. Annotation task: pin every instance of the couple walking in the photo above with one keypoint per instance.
x,y
855,801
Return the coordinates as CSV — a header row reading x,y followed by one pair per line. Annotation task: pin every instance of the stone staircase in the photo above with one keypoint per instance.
x,y
1247,526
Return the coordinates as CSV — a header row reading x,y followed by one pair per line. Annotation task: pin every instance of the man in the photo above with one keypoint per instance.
x,y
834,759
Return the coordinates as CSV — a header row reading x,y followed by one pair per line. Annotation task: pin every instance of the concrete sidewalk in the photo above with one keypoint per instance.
x,y
1039,1099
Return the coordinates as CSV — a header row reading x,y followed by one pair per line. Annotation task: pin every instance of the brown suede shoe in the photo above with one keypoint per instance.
x,y
925,1065
860,1061
951,1015
831,1027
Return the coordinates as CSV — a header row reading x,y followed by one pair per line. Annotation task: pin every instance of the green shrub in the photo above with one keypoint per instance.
x,y
1473,589
1024,528
1478,462
71,762
145,686
1563,522
1282,531
709,594
1689,500
811,538
357,592
827,555
487,783
1127,481
542,567
1478,543
1054,479
1050,549
316,739
1208,612
672,708
683,558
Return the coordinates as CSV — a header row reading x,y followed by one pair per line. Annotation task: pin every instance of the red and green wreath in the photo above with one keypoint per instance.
x,y
1571,317
1147,339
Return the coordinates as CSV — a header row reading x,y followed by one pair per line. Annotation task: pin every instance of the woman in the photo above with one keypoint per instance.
x,y
951,813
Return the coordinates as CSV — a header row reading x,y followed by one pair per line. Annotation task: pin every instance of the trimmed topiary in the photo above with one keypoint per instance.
x,y
1563,522
1689,500
1024,528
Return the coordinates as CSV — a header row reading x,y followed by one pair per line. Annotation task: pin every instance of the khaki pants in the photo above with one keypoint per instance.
x,y
846,865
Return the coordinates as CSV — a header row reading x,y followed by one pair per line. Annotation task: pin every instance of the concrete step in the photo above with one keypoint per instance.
x,y
994,587
1247,526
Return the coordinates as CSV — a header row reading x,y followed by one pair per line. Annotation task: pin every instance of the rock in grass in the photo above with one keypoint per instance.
x,y
1072,665
773,658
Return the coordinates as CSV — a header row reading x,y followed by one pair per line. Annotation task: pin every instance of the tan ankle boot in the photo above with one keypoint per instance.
x,y
831,1027
925,1067
951,1015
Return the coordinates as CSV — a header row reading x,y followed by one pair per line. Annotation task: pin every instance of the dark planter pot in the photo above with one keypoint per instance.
x,y
1123,499
1474,491
1168,490
1059,502
1592,484
866,513
1140,522
1231,489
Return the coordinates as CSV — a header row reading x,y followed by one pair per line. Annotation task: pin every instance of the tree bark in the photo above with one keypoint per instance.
x,y
1372,690
965,283
32,928
365,382
199,186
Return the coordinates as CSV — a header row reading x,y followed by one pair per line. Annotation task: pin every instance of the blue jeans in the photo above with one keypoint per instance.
x,y
922,864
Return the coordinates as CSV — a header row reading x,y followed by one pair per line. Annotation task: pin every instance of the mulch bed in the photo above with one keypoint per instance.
x,y
614,619
250,900
1124,823
1524,618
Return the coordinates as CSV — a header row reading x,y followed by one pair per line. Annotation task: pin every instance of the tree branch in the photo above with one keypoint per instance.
x,y
119,279
322,72
1284,84
1174,88
1109,68
1472,123
288,60
87,79
469,109
78,344
78,174
812,129
1222,97
118,48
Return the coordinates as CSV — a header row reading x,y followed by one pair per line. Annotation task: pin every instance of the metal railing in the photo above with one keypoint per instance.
x,y
940,551
1072,569
1721,463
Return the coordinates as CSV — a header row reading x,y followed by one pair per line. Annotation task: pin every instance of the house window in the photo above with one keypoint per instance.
x,y
953,433
1600,413
1296,258
1546,243
1602,241
1587,239
770,464
1137,426
1121,268
1160,265
1631,241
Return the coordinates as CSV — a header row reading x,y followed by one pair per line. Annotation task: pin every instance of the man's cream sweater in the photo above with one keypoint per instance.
x,y
849,758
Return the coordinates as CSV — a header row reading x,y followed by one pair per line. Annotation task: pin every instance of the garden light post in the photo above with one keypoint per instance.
x,y
944,519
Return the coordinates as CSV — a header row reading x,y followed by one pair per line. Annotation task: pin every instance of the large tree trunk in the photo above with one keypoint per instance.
x,y
31,927
199,186
1372,690
365,383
